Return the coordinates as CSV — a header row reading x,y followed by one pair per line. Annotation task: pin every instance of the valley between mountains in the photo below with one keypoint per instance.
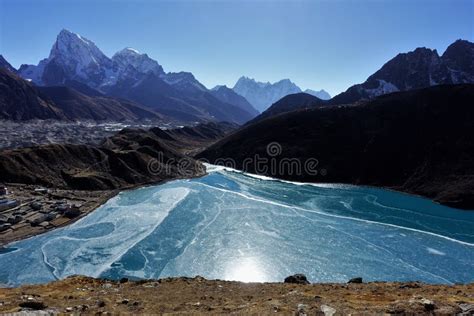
x,y
408,127
112,167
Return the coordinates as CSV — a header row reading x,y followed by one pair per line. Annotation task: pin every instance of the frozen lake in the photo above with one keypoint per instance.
x,y
228,225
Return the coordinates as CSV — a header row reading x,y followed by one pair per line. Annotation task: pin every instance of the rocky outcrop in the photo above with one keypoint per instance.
x,y
416,141
297,279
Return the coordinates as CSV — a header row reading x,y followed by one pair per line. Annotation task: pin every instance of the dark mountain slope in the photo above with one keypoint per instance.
x,y
228,95
20,100
195,106
83,88
187,140
417,141
132,158
76,105
5,64
290,103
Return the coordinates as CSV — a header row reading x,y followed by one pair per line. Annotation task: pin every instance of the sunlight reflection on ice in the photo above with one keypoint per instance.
x,y
245,270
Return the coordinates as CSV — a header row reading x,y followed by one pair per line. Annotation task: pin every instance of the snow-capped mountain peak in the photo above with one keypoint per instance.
x,y
141,62
77,50
263,94
72,57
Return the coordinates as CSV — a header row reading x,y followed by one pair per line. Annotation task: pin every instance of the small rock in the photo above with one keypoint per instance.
x,y
328,310
355,280
83,307
36,206
33,305
429,305
467,309
301,310
107,285
136,303
69,309
396,310
125,301
410,286
100,303
297,279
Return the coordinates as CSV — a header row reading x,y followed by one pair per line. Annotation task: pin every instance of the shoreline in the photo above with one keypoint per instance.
x,y
105,196
197,295
394,189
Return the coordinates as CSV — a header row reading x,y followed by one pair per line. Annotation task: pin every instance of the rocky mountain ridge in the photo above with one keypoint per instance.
x,y
420,68
129,158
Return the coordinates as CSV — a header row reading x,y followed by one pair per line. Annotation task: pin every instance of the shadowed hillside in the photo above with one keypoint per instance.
x,y
418,142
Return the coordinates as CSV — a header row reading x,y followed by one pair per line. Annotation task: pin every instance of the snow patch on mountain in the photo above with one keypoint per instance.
x,y
383,88
33,73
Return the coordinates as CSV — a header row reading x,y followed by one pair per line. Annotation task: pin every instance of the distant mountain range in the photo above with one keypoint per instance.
x,y
261,95
420,68
134,76
136,87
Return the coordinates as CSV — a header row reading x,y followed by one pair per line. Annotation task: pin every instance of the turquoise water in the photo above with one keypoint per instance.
x,y
228,225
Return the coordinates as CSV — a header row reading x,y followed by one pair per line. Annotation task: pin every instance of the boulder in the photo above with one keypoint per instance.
x,y
33,305
297,279
355,280
72,213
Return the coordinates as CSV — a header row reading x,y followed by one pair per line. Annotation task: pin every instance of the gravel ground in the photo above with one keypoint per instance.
x,y
84,295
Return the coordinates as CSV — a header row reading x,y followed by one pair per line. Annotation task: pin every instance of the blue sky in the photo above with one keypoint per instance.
x,y
317,44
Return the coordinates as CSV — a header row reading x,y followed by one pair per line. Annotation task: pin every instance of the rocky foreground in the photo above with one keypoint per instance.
x,y
86,295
